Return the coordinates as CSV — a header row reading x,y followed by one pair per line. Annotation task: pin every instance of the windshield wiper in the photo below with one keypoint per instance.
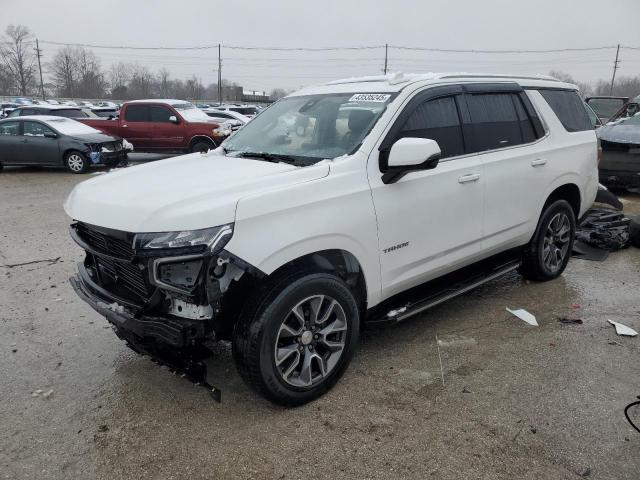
x,y
269,157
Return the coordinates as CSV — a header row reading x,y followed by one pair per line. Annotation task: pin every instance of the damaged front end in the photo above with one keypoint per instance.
x,y
162,292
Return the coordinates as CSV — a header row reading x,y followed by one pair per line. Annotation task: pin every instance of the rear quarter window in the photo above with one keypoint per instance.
x,y
568,107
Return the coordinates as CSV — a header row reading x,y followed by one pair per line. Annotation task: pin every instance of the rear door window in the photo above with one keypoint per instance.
x,y
496,121
437,120
137,113
69,113
9,128
568,107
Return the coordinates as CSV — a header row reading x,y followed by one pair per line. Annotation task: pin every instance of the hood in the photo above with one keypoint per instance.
x,y
182,193
93,138
620,133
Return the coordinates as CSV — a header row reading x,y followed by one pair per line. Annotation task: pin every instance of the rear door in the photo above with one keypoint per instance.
x,y
36,148
504,129
166,134
136,126
10,142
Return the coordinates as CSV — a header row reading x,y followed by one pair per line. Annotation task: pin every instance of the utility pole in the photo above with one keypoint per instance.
x,y
219,75
386,56
39,54
615,67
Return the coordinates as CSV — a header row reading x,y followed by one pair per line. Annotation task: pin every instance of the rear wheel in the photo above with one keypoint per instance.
x,y
295,339
548,253
76,162
202,146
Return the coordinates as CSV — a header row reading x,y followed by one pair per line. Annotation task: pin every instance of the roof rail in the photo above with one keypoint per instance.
x,y
400,77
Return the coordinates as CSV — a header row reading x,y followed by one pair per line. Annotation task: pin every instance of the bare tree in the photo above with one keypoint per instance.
x,y
164,83
141,83
63,70
277,93
17,53
119,76
92,83
585,87
623,87
7,86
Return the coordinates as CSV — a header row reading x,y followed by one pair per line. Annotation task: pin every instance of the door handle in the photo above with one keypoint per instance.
x,y
125,125
538,162
470,177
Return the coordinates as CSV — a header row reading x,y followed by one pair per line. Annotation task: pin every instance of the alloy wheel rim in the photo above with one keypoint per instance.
x,y
310,341
75,162
556,242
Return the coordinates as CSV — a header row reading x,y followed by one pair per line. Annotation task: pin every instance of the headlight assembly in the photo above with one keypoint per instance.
x,y
208,239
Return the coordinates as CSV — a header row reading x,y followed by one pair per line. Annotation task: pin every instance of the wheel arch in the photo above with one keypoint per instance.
x,y
68,150
567,191
200,138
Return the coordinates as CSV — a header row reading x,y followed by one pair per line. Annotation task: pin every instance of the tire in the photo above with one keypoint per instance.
x,y
76,162
202,146
548,253
634,231
279,356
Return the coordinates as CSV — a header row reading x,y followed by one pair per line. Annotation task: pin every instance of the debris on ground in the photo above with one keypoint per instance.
x,y
103,428
524,315
47,394
623,329
604,229
569,321
606,197
587,252
50,261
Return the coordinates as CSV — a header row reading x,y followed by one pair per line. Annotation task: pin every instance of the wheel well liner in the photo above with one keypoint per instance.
x,y
200,138
569,192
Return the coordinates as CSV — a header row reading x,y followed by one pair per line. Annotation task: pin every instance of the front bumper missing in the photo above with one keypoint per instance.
x,y
166,342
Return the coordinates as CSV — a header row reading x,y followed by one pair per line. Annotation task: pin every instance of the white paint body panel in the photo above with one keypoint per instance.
x,y
282,212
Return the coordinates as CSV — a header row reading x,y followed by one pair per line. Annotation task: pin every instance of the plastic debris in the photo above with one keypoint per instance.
x,y
524,315
623,329
47,394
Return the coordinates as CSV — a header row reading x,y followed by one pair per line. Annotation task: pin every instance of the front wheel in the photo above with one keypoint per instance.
x,y
296,337
202,146
76,162
548,253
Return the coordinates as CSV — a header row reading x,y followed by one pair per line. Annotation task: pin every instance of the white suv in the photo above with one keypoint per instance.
x,y
362,200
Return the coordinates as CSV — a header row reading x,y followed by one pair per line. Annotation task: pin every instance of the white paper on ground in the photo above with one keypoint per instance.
x,y
623,329
524,315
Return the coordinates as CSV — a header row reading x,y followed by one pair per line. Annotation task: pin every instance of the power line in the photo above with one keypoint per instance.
x,y
331,49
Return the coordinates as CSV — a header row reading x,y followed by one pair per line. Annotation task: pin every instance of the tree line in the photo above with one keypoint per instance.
x,y
76,72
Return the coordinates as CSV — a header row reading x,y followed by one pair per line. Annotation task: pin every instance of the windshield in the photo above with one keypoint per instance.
x,y
605,107
67,126
245,110
190,113
312,127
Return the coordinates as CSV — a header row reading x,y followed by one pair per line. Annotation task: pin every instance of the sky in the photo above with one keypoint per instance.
x,y
449,24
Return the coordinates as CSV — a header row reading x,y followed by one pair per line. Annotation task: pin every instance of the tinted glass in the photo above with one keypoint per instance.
x,y
160,114
245,110
69,113
595,121
9,128
494,122
219,115
606,107
437,120
137,113
25,111
35,129
568,107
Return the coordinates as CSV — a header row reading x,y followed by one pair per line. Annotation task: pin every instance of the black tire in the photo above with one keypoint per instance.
x,y
634,231
76,162
540,261
202,146
258,335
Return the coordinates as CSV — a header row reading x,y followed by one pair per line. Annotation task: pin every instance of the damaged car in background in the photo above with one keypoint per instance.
x,y
620,142
58,141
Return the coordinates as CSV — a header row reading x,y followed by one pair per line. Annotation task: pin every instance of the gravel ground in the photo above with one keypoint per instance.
x,y
517,401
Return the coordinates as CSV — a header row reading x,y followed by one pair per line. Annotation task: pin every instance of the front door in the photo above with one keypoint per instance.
x,y
429,222
166,134
36,147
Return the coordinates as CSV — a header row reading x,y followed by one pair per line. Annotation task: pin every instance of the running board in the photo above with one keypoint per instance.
x,y
437,292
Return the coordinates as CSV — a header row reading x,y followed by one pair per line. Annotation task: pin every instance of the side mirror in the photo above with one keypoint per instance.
x,y
409,155
173,119
50,135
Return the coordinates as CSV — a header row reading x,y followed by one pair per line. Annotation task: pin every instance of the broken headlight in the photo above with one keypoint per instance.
x,y
208,239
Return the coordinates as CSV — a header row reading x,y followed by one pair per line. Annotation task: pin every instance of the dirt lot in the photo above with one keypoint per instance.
x,y
518,401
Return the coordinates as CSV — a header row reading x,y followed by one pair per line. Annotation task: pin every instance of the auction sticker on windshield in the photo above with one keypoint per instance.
x,y
370,97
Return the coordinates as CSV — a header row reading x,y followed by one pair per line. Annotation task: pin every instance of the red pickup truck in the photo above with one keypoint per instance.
x,y
162,126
